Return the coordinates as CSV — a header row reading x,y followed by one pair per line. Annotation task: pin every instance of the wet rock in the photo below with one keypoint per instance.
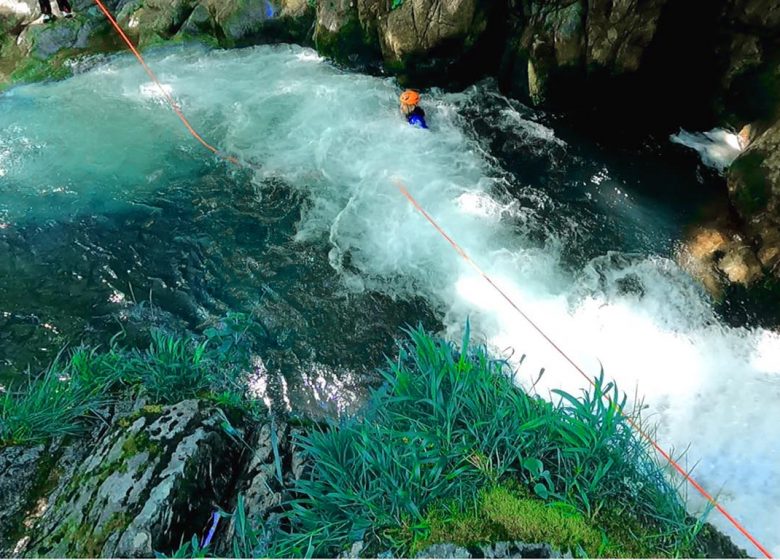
x,y
340,34
155,20
444,550
154,477
43,42
199,22
716,256
740,266
498,550
618,33
422,41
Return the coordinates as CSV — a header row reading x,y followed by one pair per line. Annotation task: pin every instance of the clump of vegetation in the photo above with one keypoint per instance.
x,y
66,398
450,426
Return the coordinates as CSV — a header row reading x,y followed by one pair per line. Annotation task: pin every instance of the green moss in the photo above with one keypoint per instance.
x,y
94,543
138,443
34,70
505,514
152,409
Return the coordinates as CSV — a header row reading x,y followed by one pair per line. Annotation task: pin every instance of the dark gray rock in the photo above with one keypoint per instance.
x,y
514,549
198,22
19,468
270,470
444,550
754,189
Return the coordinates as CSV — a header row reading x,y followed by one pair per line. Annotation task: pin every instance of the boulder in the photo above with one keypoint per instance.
x,y
153,478
422,41
740,266
44,41
717,255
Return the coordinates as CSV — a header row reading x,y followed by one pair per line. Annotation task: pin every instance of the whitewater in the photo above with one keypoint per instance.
x,y
105,138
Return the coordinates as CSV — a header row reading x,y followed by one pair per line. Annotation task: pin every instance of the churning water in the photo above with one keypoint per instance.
x,y
105,200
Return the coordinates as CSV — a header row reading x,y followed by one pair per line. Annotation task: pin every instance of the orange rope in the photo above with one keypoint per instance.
x,y
468,259
171,101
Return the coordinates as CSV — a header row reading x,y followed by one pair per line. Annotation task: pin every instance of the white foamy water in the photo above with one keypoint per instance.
x,y
339,139
717,147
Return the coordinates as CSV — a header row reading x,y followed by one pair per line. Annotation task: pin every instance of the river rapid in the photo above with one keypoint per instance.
x,y
108,205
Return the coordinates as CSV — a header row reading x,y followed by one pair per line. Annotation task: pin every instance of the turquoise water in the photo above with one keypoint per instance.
x,y
106,205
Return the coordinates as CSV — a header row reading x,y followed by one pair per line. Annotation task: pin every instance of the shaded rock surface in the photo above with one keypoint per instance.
x,y
754,189
498,550
154,477
698,62
19,474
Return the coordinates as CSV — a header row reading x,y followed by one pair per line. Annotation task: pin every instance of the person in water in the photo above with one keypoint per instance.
x,y
64,6
411,109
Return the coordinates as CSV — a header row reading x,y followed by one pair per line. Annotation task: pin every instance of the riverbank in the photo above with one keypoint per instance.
x,y
127,452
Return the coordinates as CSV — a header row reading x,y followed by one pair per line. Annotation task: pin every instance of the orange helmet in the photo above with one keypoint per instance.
x,y
410,97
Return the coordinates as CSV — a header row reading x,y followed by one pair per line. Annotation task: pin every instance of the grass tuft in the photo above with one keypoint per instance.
x,y
450,424
64,400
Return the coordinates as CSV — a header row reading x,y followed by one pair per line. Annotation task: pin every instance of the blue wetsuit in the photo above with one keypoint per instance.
x,y
417,118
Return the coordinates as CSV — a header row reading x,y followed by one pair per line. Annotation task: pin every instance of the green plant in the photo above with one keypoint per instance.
x,y
52,405
171,369
447,424
63,399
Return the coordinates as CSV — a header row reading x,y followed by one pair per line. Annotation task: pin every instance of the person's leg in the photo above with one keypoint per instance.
x,y
64,6
45,7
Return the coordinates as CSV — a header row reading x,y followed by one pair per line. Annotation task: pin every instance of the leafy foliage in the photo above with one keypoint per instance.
x,y
66,397
446,425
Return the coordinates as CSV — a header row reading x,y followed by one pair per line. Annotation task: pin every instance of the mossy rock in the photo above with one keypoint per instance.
x,y
151,480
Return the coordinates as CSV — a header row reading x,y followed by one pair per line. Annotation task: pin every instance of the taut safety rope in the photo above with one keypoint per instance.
x,y
402,188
